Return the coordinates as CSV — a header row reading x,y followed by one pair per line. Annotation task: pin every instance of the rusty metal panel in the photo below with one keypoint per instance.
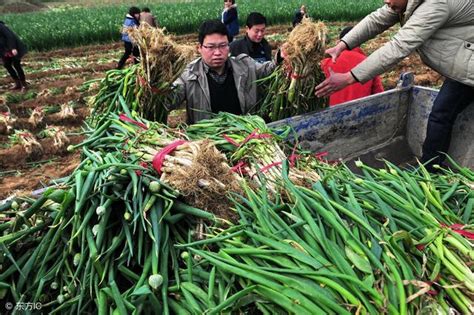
x,y
351,129
462,144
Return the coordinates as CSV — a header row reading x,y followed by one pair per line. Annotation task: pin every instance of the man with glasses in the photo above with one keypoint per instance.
x,y
214,82
254,43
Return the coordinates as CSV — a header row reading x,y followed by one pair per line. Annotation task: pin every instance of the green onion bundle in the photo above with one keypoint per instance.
x,y
161,62
144,88
349,245
254,149
290,89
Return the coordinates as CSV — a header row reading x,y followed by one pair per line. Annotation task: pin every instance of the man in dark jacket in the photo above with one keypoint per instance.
x,y
12,50
253,44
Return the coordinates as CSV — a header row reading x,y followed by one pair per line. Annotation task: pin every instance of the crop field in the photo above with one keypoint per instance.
x,y
73,25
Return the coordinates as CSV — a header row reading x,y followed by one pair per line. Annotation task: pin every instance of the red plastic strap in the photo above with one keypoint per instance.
x,y
269,166
296,76
420,247
459,229
142,164
320,155
160,156
144,83
293,157
239,168
230,140
255,135
141,80
125,118
252,135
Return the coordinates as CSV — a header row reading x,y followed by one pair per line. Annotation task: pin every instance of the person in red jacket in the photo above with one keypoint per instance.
x,y
346,61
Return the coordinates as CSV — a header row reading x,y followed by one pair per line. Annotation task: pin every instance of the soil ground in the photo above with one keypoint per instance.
x,y
56,78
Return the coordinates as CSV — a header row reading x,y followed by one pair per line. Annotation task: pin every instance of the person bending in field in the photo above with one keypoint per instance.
x,y
346,61
12,50
442,31
253,43
131,20
216,82
147,17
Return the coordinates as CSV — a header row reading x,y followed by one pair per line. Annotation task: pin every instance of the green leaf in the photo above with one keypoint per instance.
x,y
143,290
361,263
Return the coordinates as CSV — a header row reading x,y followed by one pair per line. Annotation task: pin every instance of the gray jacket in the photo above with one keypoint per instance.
x,y
442,31
192,88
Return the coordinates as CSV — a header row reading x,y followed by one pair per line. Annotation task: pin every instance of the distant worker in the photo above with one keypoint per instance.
x,y
442,31
299,15
12,49
230,18
347,60
254,43
216,82
131,20
147,17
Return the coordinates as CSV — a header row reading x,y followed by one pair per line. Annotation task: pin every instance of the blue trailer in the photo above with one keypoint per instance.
x,y
390,125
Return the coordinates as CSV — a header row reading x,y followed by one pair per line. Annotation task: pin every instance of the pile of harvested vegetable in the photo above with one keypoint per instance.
x,y
120,235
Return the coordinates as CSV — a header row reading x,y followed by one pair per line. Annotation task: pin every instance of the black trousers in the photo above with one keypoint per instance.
x,y
13,66
129,49
452,99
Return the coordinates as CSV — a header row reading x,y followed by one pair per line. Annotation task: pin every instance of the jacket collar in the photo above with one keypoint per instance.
x,y
251,45
411,7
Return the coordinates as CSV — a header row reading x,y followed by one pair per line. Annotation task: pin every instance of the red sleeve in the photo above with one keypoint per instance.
x,y
377,86
325,65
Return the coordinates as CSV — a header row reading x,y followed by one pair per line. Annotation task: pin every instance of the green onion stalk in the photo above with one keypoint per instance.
x,y
7,122
290,89
60,140
27,140
116,94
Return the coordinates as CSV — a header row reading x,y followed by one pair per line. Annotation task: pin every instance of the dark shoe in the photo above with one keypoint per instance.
x,y
17,86
24,86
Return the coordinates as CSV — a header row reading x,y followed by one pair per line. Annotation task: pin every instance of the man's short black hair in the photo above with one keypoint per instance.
x,y
146,9
133,10
255,18
212,27
233,1
345,31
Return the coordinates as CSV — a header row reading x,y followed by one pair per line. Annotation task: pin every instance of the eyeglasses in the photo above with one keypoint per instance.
x,y
221,47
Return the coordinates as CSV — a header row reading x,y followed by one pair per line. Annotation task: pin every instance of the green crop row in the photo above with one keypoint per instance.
x,y
86,25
